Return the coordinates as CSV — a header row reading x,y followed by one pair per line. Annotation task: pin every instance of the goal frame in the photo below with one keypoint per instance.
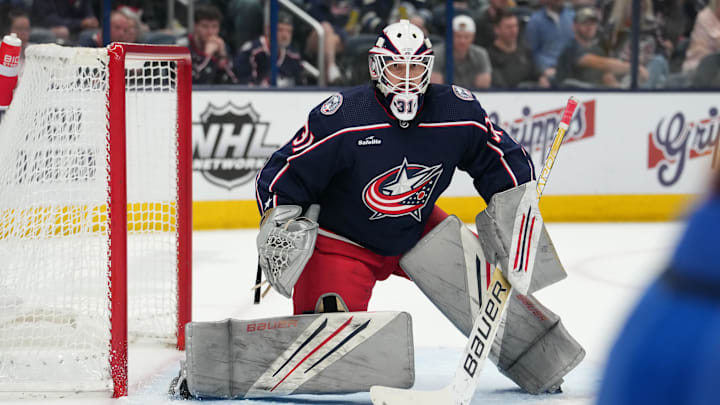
x,y
118,53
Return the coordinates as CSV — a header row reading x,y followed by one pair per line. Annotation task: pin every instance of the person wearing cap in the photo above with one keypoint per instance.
x,y
472,68
252,62
583,63
547,33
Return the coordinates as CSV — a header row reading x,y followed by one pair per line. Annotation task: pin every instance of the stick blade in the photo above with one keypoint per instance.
x,y
397,396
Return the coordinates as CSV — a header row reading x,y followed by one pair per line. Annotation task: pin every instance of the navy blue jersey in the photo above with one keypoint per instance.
x,y
376,182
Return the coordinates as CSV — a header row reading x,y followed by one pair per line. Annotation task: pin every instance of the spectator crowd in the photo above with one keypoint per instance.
x,y
500,44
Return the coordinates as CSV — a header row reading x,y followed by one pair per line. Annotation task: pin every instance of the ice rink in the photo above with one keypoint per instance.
x,y
608,266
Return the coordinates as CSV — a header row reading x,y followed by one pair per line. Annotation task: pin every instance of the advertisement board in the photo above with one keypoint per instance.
x,y
653,149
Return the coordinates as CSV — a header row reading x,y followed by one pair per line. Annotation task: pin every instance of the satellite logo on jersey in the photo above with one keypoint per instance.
x,y
230,148
677,140
402,190
332,105
462,93
369,141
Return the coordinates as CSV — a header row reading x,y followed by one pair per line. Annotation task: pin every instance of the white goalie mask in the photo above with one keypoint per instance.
x,y
401,63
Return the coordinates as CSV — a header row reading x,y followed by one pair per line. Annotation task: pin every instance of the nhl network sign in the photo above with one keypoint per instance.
x,y
229,144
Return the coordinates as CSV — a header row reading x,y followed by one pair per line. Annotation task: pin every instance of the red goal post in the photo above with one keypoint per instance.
x,y
119,54
90,130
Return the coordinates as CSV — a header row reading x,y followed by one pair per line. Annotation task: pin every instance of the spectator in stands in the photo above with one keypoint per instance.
x,y
210,55
65,18
333,15
252,62
152,14
137,28
654,50
583,63
7,7
705,37
547,33
707,73
438,19
19,23
675,19
512,61
471,64
122,29
485,35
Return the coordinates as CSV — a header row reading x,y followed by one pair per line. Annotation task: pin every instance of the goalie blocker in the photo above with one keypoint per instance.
x,y
532,347
305,354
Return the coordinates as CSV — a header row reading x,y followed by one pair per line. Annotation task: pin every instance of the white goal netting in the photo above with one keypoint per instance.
x,y
55,247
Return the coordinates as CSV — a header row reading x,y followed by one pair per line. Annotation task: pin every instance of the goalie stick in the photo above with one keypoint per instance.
x,y
461,389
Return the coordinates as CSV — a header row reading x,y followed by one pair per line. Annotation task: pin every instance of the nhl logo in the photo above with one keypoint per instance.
x,y
231,148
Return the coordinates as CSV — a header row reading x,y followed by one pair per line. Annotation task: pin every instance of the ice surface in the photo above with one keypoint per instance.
x,y
608,267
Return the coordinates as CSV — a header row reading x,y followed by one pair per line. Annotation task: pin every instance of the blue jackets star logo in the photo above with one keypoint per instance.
x,y
402,190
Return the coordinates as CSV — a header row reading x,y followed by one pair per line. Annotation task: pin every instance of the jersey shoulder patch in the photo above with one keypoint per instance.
x,y
462,93
333,104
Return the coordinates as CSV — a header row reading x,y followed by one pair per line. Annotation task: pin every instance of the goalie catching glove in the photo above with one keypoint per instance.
x,y
285,243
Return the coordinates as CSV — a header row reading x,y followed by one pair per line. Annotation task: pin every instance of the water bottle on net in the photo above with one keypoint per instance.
x,y
9,66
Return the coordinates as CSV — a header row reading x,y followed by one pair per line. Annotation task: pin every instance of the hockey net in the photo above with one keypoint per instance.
x,y
95,197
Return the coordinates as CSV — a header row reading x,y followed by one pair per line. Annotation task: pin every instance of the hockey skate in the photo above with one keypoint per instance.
x,y
178,386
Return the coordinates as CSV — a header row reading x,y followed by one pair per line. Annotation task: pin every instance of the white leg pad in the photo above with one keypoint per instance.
x,y
532,347
305,354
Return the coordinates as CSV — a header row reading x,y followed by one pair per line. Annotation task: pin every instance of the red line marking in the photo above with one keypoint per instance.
x,y
487,273
517,251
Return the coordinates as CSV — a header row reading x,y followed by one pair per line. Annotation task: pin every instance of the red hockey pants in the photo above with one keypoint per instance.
x,y
347,270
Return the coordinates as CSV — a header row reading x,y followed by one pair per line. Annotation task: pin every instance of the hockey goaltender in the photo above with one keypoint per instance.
x,y
349,201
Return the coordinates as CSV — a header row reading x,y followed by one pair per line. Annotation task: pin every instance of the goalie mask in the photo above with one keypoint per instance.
x,y
400,64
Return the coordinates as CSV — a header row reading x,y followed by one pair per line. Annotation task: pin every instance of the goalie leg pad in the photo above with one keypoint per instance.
x,y
449,267
306,354
532,346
